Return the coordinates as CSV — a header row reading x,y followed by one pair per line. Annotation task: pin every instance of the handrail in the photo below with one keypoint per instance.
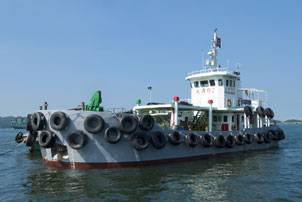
x,y
207,70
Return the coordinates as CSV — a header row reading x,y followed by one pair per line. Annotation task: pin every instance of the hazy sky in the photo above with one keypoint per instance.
x,y
62,51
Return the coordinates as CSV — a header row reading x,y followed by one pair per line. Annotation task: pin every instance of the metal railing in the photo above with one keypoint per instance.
x,y
207,70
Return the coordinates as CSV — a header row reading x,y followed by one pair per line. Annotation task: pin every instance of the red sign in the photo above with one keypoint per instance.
x,y
210,102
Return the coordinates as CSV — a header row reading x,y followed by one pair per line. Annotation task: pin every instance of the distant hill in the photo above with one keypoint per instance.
x,y
293,121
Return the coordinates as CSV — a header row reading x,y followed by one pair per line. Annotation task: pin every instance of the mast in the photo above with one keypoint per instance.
x,y
212,59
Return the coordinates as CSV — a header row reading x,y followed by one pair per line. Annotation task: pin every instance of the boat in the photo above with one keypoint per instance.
x,y
220,118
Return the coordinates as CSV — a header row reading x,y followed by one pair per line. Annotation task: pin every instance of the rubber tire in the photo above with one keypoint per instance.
x,y
192,139
175,138
240,139
158,140
249,138
260,111
128,124
146,122
139,141
38,121
112,135
248,111
269,113
207,140
58,121
259,138
94,124
219,141
46,139
230,141
73,138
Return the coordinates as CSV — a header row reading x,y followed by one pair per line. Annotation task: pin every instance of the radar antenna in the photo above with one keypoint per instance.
x,y
212,60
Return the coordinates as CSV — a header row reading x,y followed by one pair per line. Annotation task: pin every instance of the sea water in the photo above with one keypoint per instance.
x,y
271,175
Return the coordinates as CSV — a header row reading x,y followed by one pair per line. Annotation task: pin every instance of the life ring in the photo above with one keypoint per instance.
x,y
260,111
259,138
192,139
248,111
146,122
77,140
158,139
46,139
58,121
112,135
207,140
139,141
175,138
31,138
269,113
248,138
230,141
94,123
38,121
229,102
239,139
128,124
219,141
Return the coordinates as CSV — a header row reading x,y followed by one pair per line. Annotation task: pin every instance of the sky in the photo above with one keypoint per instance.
x,y
62,51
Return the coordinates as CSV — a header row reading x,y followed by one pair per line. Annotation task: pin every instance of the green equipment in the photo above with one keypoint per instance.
x,y
95,102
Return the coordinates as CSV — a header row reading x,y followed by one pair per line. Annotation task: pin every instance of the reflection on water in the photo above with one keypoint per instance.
x,y
254,176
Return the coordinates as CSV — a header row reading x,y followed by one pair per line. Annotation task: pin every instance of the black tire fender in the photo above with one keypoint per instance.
x,y
240,139
94,124
219,141
192,139
47,139
38,121
260,111
207,140
112,135
259,138
230,141
128,123
139,140
77,140
146,122
58,121
175,138
158,139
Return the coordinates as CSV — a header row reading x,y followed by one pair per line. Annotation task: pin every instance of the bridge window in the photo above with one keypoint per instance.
x,y
212,82
227,82
196,84
231,83
234,83
225,118
220,82
204,83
